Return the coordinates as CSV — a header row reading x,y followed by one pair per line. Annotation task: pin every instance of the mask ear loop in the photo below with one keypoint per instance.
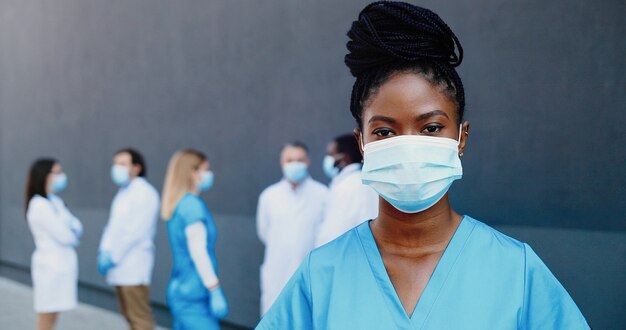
x,y
459,141
362,145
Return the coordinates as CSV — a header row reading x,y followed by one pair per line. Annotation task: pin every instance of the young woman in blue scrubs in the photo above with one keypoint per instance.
x,y
194,294
419,264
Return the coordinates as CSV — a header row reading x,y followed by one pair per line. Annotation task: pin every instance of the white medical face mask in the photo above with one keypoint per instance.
x,y
411,172
207,181
328,165
295,172
59,183
120,175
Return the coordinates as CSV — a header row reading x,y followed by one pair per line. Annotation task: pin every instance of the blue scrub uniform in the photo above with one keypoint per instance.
x,y
187,297
484,280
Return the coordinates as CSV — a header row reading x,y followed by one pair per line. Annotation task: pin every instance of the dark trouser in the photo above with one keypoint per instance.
x,y
134,303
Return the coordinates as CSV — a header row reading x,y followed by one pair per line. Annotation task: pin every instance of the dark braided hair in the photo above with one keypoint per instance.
x,y
391,37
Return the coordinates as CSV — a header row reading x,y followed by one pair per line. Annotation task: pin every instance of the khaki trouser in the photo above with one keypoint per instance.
x,y
134,303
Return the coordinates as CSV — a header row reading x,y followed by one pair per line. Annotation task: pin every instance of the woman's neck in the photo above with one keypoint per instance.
x,y
407,234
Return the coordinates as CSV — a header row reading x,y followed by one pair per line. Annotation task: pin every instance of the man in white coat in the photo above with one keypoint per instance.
x,y
126,254
350,202
288,216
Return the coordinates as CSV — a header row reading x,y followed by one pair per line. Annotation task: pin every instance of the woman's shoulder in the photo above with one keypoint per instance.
x,y
488,241
545,300
37,205
39,201
333,253
191,206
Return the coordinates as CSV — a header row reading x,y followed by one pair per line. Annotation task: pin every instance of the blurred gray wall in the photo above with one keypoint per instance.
x,y
545,84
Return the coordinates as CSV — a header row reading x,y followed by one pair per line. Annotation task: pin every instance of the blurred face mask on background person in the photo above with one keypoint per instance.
x,y
59,183
120,175
328,165
295,172
206,181
411,172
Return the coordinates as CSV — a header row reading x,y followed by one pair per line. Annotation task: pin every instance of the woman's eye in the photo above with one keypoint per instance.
x,y
432,129
383,132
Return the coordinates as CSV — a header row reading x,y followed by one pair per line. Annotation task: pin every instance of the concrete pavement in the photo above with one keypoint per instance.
x,y
16,312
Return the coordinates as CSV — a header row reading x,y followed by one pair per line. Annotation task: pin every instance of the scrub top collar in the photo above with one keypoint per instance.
x,y
434,285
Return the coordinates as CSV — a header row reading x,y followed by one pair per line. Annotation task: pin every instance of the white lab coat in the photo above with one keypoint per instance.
x,y
287,222
54,265
350,203
129,234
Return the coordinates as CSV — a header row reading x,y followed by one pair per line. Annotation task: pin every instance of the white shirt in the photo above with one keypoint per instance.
x,y
54,264
129,234
350,203
196,243
287,222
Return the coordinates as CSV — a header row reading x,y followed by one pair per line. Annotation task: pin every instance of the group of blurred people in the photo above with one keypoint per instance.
x,y
126,251
299,213
294,216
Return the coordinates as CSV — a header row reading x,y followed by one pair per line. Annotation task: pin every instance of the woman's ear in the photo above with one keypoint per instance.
x,y
464,134
359,139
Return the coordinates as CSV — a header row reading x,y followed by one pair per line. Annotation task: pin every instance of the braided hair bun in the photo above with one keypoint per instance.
x,y
392,36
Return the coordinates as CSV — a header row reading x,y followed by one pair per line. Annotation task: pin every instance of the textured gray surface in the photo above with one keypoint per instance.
x,y
16,312
81,78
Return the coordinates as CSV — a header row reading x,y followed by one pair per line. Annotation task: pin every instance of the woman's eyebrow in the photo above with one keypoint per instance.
x,y
432,114
382,118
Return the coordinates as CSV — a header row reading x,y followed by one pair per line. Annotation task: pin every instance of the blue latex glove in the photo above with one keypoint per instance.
x,y
105,262
217,303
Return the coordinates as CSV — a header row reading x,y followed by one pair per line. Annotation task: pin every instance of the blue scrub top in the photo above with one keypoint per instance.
x,y
185,284
484,280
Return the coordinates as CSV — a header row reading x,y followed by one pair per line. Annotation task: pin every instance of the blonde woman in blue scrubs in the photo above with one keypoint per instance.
x,y
419,264
194,293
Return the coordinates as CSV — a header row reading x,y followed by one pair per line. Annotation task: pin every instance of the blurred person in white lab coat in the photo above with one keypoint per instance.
x,y
54,264
350,202
126,253
288,215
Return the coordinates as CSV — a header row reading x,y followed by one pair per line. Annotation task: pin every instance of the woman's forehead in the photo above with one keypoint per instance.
x,y
408,94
